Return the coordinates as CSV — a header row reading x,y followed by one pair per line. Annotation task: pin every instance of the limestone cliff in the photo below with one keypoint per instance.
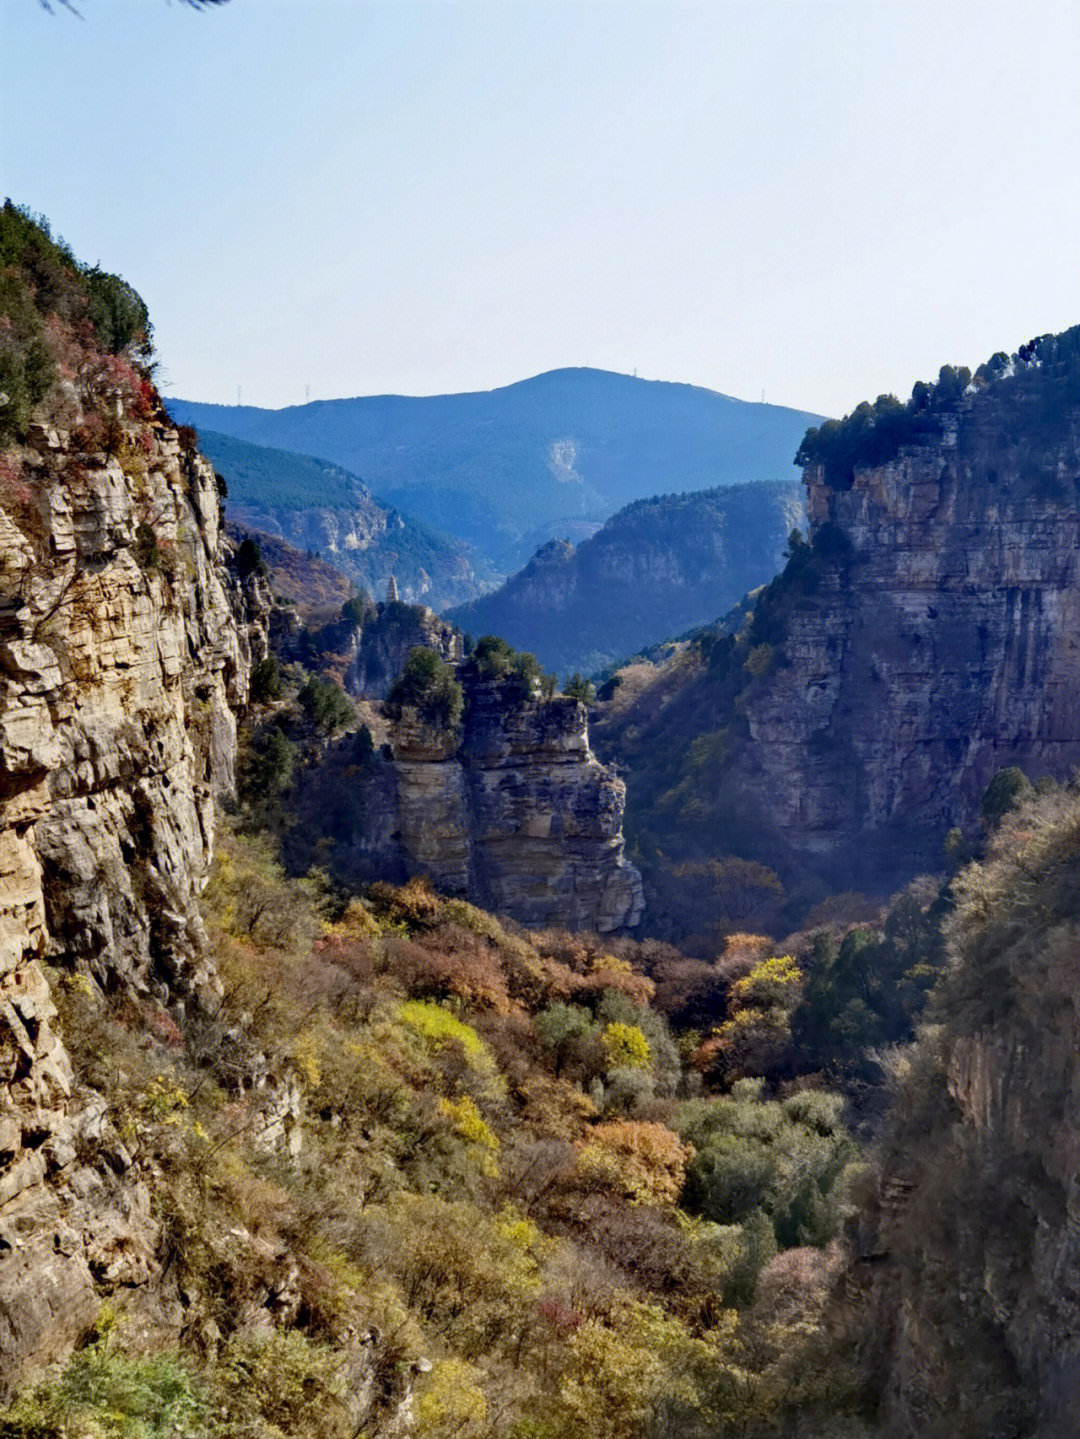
x,y
514,811
962,1291
941,648
125,648
926,637
382,644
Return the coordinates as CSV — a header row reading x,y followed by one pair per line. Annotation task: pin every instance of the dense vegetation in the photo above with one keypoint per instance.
x,y
1035,386
325,509
63,322
472,1140
277,479
509,469
657,568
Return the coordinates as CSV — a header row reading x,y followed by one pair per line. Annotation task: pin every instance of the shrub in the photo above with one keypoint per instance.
x,y
782,1157
626,1047
265,680
646,1163
104,1394
437,1029
579,688
249,559
430,685
326,704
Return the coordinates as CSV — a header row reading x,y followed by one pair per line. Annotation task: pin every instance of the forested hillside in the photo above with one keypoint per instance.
x,y
656,569
321,508
511,468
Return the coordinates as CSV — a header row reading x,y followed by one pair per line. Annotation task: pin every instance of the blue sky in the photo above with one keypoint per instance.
x,y
818,201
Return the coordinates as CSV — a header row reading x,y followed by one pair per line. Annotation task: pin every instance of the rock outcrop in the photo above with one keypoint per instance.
x,y
962,1289
521,816
382,643
943,645
514,811
125,649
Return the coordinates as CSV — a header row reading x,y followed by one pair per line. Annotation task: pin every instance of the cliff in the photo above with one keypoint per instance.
x,y
942,648
655,569
125,648
513,810
961,1292
924,639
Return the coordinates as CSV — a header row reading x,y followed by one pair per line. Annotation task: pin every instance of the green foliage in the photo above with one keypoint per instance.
x,y
249,560
40,278
1007,789
146,551
118,313
783,1158
326,705
581,689
430,685
357,609
26,364
265,680
1040,383
867,990
267,769
101,1394
493,658
284,1378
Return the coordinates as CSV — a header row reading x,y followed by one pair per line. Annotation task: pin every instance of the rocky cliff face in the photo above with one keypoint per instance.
x,y
941,648
513,811
962,1291
382,644
125,648
521,816
369,543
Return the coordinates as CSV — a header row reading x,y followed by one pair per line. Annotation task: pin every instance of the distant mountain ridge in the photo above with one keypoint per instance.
x,y
657,568
507,468
321,507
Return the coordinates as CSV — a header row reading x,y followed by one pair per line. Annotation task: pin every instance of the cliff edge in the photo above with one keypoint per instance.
x,y
125,650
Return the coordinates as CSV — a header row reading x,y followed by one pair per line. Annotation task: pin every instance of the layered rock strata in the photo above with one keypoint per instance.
x,y
521,815
514,811
122,663
944,646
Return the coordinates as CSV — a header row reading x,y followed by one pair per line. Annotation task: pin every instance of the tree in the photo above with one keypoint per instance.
x,y
1004,792
249,560
326,705
430,686
579,688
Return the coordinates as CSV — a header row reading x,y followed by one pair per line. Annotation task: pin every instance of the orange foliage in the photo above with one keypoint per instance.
x,y
644,1162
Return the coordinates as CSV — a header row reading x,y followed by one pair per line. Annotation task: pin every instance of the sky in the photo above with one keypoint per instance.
x,y
818,202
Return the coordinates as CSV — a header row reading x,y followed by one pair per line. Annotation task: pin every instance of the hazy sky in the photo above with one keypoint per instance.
x,y
821,201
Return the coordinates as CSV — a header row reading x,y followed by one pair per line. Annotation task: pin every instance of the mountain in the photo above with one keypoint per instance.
x,y
509,468
323,508
657,568
923,640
